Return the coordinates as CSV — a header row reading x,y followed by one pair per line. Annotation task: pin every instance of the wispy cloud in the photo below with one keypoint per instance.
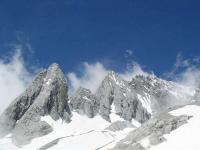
x,y
185,71
14,78
128,53
132,70
21,42
90,78
93,74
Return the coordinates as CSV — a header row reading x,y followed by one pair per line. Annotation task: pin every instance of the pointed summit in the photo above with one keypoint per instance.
x,y
21,104
115,78
47,95
115,93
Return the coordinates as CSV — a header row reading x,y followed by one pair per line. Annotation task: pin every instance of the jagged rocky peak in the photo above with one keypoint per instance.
x,y
55,89
21,104
159,93
47,95
84,102
114,79
149,83
115,95
153,131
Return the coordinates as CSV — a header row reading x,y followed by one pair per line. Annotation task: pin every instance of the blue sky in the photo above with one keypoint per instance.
x,y
70,32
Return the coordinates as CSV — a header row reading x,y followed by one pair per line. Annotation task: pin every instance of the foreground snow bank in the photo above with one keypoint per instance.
x,y
82,133
187,136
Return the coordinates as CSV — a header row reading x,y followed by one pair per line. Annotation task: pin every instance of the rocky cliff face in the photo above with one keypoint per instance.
x,y
20,105
141,99
115,95
138,99
84,102
159,94
153,130
47,95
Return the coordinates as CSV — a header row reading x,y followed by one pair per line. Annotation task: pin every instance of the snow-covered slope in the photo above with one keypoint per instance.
x,y
82,133
158,95
187,136
115,94
47,95
152,132
120,115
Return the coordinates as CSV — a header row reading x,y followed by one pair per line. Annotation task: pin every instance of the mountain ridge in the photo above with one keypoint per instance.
x,y
122,104
37,101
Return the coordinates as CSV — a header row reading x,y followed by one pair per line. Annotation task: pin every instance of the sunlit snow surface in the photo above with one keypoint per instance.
x,y
82,133
88,134
187,136
146,102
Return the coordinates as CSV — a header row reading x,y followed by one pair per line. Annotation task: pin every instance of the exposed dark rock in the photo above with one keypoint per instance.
x,y
162,94
129,146
46,96
154,129
119,125
139,99
83,101
117,92
20,105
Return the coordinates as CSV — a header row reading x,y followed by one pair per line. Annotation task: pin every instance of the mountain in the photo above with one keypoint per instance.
x,y
46,96
152,132
159,95
174,130
84,102
140,98
119,115
116,95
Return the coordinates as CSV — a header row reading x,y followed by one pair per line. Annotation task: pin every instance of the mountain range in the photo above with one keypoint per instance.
x,y
119,115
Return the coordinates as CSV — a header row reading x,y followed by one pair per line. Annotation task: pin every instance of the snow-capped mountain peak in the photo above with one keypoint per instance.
x,y
43,118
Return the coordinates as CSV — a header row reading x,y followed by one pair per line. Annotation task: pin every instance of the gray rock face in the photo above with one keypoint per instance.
x,y
83,101
141,98
116,95
154,129
46,96
119,125
162,94
124,146
20,105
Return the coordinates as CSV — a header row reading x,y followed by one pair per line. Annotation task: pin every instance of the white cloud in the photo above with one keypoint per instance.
x,y
133,69
90,78
186,71
190,77
93,75
14,78
128,53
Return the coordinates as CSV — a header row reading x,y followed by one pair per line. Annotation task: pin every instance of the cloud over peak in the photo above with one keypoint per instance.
x,y
90,78
14,78
185,71
93,74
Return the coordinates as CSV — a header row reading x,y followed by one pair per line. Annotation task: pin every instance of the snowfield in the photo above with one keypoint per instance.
x,y
185,137
82,133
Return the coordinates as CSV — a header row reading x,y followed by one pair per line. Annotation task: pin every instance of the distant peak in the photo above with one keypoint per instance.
x,y
112,73
54,71
148,77
54,66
